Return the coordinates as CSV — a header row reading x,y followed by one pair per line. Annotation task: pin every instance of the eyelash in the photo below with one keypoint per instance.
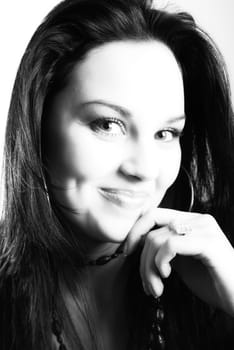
x,y
175,134
97,126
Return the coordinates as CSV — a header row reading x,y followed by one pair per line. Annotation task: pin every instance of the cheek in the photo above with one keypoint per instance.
x,y
83,155
170,166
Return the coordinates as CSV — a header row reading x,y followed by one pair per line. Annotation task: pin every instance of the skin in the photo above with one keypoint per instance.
x,y
139,151
202,256
137,88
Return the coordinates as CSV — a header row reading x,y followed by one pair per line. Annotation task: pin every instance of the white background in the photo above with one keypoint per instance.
x,y
19,19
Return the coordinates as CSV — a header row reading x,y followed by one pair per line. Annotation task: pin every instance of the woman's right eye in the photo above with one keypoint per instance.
x,y
110,127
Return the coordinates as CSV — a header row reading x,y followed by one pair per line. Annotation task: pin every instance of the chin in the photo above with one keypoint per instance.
x,y
113,232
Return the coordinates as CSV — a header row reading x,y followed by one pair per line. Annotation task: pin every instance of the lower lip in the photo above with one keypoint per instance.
x,y
124,200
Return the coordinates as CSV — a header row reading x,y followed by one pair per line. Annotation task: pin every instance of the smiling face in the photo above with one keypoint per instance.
x,y
114,136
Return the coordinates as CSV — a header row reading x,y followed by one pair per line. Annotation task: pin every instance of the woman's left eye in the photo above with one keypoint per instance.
x,y
168,135
108,127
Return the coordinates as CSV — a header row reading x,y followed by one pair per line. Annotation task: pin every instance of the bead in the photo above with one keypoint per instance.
x,y
161,341
56,329
158,328
62,347
160,315
106,258
103,260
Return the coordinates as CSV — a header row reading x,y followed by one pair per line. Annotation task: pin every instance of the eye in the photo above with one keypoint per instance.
x,y
167,135
108,127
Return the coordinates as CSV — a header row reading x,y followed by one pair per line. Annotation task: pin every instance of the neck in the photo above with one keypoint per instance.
x,y
109,283
92,248
106,286
109,280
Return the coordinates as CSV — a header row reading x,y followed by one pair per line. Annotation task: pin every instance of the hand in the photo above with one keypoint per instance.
x,y
204,256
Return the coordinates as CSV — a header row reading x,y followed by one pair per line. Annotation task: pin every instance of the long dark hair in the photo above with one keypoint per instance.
x,y
36,243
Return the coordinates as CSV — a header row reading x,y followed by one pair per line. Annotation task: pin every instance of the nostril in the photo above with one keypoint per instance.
x,y
129,171
128,168
130,177
140,168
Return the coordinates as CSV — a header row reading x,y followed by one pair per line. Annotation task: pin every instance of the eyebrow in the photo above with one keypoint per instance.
x,y
123,111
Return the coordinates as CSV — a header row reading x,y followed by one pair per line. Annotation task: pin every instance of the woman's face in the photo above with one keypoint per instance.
x,y
114,136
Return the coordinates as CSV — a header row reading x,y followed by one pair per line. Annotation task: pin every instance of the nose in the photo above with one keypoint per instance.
x,y
141,161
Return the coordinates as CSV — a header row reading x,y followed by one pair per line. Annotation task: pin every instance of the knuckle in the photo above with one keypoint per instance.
x,y
170,245
175,225
151,236
157,237
149,217
208,217
210,220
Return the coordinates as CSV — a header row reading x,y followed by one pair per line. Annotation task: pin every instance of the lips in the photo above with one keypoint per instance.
x,y
127,199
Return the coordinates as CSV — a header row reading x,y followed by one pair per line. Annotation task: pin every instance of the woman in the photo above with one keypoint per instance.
x,y
118,185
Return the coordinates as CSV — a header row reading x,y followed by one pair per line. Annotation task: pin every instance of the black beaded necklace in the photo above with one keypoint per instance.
x,y
102,260
156,339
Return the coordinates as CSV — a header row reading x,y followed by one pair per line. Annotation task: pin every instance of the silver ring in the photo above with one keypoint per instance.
x,y
180,228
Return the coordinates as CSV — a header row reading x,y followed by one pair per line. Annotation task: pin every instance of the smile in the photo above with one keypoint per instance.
x,y
125,198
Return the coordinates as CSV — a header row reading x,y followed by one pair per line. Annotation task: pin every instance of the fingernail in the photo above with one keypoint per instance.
x,y
153,293
165,270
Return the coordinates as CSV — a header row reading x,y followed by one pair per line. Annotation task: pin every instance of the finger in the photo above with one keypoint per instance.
x,y
142,226
151,279
148,271
188,245
165,217
163,266
142,268
152,243
162,261
156,217
155,285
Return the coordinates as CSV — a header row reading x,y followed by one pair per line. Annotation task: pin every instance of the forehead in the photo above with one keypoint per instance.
x,y
137,75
